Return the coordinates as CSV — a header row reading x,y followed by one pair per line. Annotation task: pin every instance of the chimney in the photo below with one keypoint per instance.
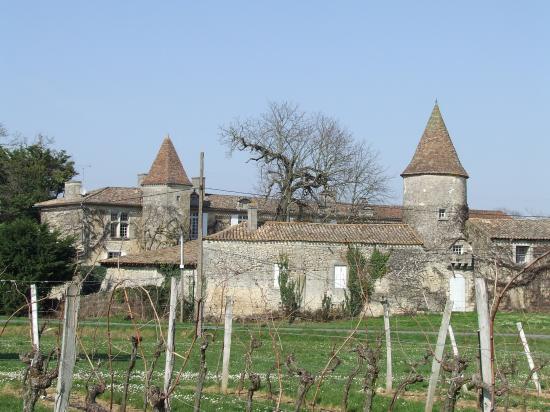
x,y
252,218
72,189
196,181
141,176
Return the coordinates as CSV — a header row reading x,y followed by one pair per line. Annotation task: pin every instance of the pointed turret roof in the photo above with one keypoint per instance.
x,y
167,167
435,153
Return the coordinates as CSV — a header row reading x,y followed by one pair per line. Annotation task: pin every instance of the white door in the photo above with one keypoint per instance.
x,y
457,293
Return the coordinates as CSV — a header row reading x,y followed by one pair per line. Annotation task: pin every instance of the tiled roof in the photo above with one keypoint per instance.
x,y
516,228
167,167
121,196
488,214
231,202
383,234
170,256
435,153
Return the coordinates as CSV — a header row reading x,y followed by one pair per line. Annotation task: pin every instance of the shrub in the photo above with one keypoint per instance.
x,y
362,276
290,290
326,307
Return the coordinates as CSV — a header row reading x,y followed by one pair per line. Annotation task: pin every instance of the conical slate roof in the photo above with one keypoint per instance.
x,y
167,167
435,153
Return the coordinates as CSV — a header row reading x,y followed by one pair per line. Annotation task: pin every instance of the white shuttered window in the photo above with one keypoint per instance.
x,y
340,277
276,276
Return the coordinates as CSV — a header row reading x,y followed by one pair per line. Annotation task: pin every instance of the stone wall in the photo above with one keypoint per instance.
x,y
89,226
417,280
136,276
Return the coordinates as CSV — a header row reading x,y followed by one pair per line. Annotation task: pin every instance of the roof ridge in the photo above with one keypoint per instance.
x,y
95,193
334,224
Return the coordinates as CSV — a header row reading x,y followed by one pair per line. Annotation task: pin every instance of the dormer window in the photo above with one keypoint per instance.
x,y
119,225
442,214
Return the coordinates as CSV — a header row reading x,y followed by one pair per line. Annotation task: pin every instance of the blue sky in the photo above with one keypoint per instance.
x,y
109,79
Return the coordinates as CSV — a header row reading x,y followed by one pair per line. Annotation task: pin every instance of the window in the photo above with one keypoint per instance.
x,y
194,225
458,249
119,225
442,214
340,277
276,276
521,254
236,219
113,254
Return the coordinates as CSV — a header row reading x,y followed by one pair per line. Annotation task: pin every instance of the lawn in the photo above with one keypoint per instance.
x,y
310,342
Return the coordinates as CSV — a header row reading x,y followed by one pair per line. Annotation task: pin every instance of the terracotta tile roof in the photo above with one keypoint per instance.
x,y
516,228
488,214
170,256
231,202
435,153
167,167
383,234
121,196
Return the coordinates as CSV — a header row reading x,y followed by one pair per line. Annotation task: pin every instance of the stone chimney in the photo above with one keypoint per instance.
x,y
252,218
196,182
141,176
72,189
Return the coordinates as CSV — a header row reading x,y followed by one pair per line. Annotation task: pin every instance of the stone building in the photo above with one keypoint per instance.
x,y
437,243
117,221
436,250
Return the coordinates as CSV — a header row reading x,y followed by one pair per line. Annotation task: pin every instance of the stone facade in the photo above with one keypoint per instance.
x,y
436,206
416,280
90,227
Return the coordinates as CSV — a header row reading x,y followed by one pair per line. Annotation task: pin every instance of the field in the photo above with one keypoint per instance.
x,y
311,344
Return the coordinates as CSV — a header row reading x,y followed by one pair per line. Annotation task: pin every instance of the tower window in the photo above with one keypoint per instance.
x,y
442,214
194,225
458,249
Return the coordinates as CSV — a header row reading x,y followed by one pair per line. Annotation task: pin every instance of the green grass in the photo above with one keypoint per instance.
x,y
310,342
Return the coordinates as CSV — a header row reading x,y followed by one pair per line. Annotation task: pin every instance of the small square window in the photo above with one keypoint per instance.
x,y
123,217
113,254
340,277
442,214
114,216
521,254
458,249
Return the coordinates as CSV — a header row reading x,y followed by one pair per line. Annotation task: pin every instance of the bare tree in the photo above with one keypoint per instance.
x,y
302,156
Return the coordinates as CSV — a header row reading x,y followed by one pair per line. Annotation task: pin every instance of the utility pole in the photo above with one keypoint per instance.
x,y
199,304
182,283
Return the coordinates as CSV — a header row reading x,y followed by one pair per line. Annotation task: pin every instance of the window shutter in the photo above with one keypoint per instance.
x,y
340,277
205,224
276,276
234,220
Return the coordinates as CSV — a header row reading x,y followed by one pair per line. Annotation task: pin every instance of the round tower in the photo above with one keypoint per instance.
x,y
166,201
435,187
